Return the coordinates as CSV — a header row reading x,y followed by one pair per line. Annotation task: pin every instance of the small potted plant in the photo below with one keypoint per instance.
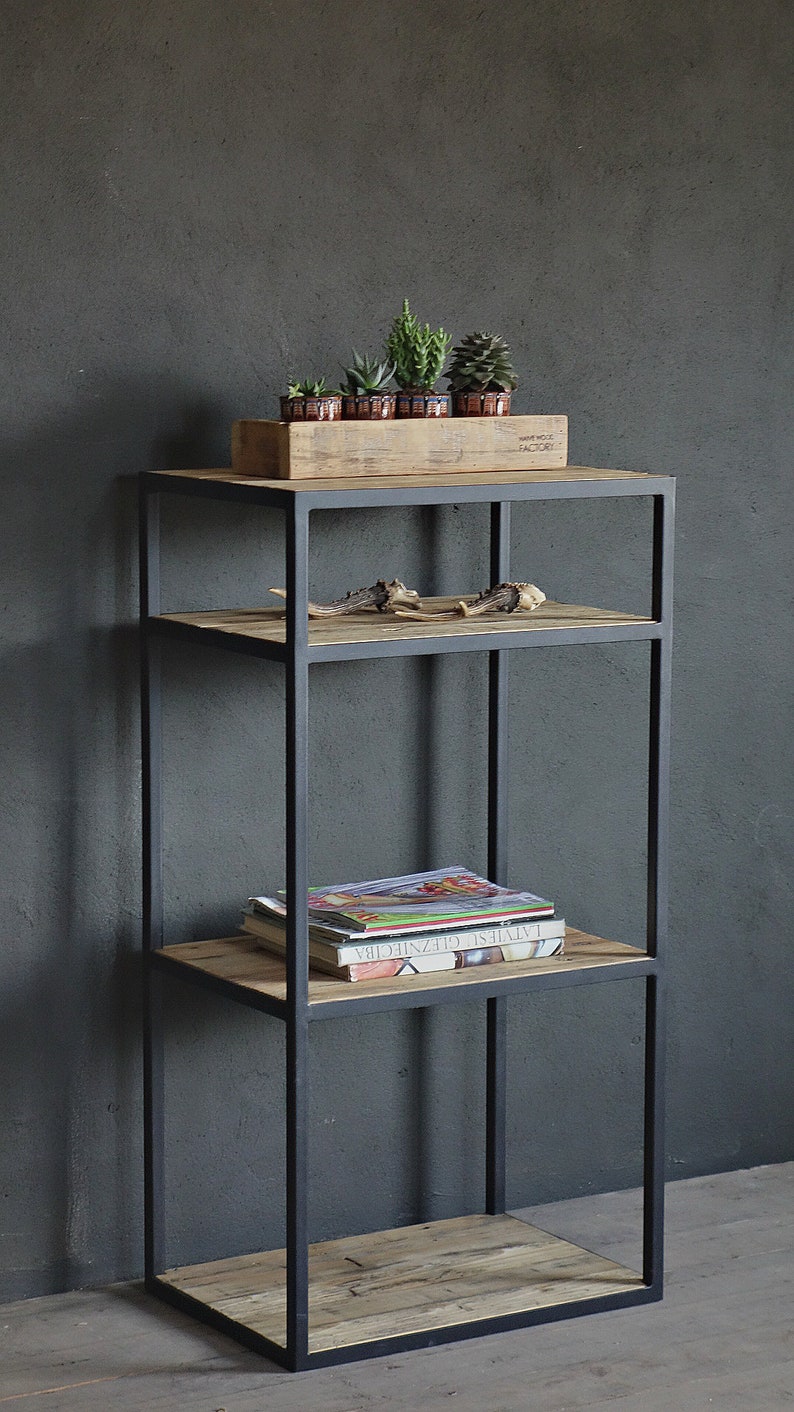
x,y
418,354
365,391
311,401
481,377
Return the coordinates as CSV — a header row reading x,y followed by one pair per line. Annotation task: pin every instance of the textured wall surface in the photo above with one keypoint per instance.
x,y
200,199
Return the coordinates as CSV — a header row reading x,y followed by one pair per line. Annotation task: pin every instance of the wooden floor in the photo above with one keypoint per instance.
x,y
723,1338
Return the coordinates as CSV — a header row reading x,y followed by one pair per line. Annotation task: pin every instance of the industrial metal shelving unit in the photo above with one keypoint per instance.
x,y
308,1305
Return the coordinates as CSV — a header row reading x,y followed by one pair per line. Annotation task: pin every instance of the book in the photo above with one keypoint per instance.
x,y
420,965
413,902
351,948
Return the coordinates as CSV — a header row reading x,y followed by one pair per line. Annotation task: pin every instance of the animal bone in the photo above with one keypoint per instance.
x,y
385,597
505,598
502,598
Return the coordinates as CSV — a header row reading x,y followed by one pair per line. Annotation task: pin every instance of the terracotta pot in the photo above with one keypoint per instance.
x,y
413,402
481,404
311,409
369,406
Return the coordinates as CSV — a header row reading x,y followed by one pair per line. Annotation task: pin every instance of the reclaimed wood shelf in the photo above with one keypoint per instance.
x,y
239,961
268,625
415,481
407,1281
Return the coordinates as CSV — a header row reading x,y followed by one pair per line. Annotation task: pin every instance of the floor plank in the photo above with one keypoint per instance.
x,y
722,1337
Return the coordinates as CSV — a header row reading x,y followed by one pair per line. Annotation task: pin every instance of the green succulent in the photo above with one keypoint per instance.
x,y
418,353
366,374
481,362
310,388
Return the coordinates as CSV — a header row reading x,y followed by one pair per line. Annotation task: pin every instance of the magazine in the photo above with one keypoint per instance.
x,y
450,961
344,948
414,902
419,965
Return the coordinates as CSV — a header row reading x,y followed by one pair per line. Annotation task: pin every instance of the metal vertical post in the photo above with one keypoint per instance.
x,y
152,834
659,751
496,1033
658,849
297,846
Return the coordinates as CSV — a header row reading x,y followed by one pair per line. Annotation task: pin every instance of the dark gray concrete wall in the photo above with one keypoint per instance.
x,y
200,198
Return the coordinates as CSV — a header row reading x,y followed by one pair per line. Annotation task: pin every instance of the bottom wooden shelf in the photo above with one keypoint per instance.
x,y
402,1282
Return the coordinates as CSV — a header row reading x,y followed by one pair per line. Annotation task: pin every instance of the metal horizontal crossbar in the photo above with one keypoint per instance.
x,y
364,1003
484,642
481,1328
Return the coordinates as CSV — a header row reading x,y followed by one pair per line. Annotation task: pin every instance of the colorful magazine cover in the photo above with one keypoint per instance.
x,y
415,901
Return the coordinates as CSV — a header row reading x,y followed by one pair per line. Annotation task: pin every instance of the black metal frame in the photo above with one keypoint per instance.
x,y
297,502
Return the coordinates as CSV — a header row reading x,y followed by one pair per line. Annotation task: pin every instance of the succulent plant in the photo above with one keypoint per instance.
x,y
310,388
417,352
481,362
367,374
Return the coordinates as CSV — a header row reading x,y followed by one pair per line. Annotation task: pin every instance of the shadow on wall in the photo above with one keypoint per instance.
x,y
70,830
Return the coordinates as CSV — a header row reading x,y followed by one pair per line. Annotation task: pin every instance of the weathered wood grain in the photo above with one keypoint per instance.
x,y
269,624
242,961
417,1277
374,482
323,450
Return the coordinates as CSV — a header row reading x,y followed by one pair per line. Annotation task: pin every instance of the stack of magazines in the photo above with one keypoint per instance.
x,y
440,921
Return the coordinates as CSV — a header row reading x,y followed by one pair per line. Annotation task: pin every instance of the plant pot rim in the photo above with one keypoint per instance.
x,y
383,392
313,396
470,391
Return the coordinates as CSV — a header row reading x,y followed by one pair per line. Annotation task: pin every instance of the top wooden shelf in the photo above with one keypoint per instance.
x,y
552,475
445,487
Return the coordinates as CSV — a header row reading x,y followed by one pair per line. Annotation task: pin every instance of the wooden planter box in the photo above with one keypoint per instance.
x,y
308,450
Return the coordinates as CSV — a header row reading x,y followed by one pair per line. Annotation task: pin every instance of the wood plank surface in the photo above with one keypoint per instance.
x,y
240,960
401,1281
226,476
325,450
270,624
